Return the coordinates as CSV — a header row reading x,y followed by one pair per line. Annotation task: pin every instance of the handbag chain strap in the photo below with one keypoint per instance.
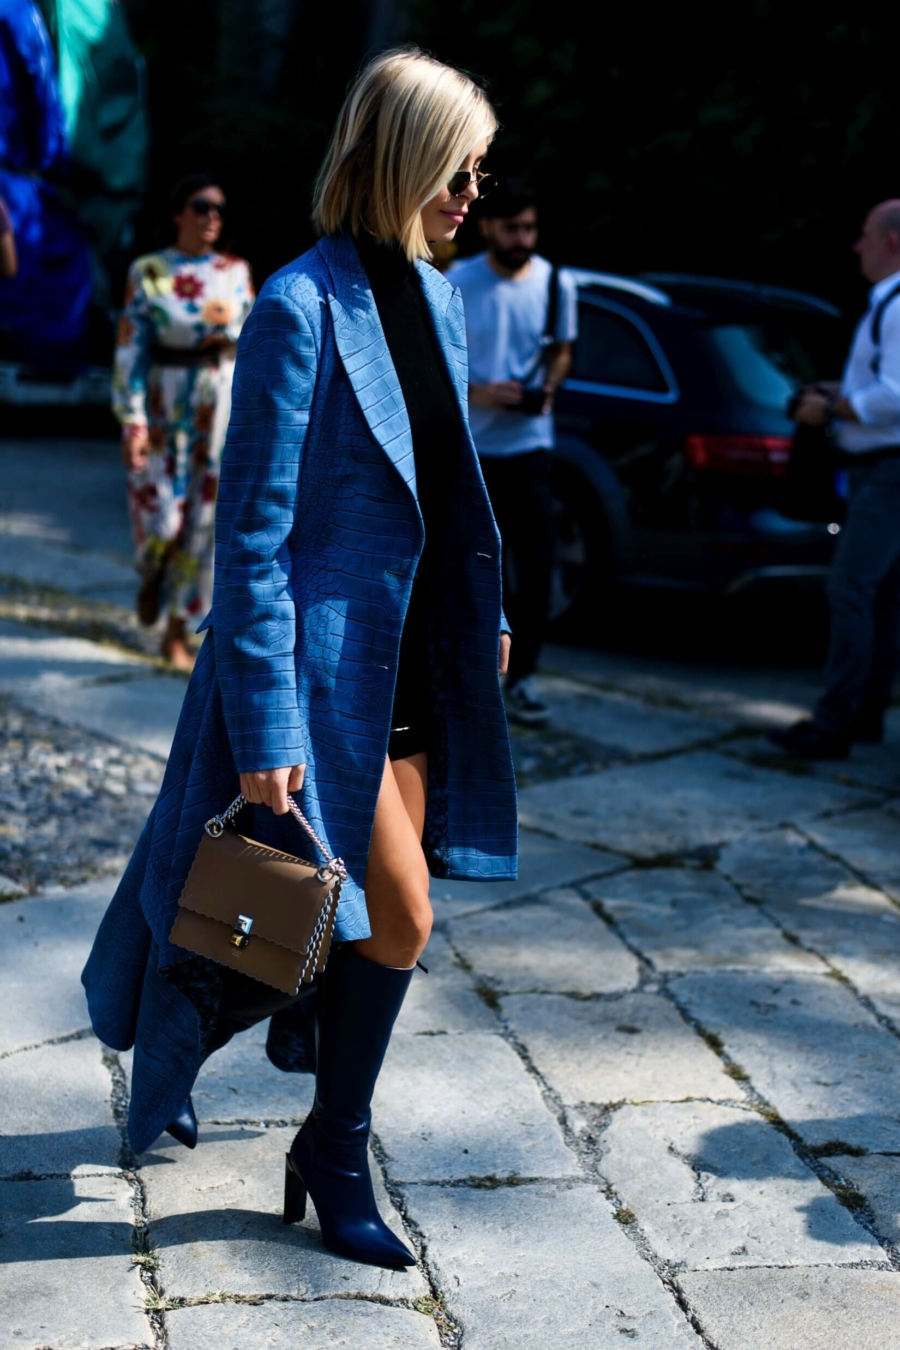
x,y
334,869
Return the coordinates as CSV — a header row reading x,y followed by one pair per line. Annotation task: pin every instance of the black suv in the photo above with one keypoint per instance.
x,y
672,439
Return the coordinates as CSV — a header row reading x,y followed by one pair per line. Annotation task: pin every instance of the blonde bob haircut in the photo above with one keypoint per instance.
x,y
406,126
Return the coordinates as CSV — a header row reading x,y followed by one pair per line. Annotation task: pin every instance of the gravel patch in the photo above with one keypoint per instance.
x,y
71,804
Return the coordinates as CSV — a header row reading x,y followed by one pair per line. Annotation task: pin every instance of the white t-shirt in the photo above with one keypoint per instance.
x,y
505,327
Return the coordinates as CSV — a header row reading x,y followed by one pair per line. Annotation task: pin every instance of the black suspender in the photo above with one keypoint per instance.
x,y
875,326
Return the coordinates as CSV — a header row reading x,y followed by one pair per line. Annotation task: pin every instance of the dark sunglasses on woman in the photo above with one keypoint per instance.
x,y
203,206
457,185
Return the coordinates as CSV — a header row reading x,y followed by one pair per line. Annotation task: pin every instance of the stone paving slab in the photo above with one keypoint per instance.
x,y
782,867
215,1217
555,944
141,712
625,725
88,685
65,491
543,863
29,654
874,767
686,919
672,806
239,1083
41,563
327,1325
855,926
878,1178
869,841
450,1107
44,943
635,1048
67,1280
536,1266
443,1000
56,1114
750,696
714,1186
819,1309
810,1048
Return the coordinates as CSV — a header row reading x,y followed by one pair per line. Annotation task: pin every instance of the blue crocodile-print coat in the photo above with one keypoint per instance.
x,y
318,536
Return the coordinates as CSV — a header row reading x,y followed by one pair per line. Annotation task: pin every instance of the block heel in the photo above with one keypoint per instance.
x,y
294,1194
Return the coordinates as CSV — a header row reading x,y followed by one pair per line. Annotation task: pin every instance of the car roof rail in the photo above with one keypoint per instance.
x,y
751,289
611,281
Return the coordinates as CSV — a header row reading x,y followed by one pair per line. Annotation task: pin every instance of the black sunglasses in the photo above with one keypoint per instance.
x,y
457,184
203,206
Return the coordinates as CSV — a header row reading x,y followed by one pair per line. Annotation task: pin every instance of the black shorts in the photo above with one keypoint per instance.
x,y
411,713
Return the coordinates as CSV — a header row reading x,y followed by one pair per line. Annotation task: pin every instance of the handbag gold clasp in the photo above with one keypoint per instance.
x,y
240,933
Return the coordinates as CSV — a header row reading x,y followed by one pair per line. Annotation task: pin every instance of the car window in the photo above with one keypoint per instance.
x,y
611,350
766,361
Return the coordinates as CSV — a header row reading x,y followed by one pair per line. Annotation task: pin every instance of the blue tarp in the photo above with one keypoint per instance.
x,y
44,309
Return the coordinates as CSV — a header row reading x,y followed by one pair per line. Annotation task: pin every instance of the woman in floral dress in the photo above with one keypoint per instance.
x,y
184,309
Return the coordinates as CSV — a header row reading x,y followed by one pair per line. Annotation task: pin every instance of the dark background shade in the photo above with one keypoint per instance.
x,y
742,141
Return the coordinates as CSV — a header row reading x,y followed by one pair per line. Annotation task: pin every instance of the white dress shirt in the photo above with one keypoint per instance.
x,y
874,397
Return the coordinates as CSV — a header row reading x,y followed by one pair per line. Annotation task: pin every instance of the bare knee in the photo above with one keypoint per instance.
x,y
408,925
401,921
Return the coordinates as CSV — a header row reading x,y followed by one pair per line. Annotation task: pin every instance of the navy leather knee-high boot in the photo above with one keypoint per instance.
x,y
357,1006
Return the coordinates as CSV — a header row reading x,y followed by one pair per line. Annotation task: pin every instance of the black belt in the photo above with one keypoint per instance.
x,y
191,357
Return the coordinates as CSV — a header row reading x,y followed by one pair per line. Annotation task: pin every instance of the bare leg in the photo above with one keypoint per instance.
x,y
396,882
174,645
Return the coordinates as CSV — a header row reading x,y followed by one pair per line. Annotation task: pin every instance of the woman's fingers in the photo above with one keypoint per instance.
x,y
269,787
295,782
505,644
278,791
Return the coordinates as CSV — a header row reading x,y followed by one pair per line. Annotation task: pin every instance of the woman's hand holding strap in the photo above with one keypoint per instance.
x,y
270,787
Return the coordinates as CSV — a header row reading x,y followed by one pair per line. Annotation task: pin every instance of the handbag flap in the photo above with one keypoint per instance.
x,y
233,876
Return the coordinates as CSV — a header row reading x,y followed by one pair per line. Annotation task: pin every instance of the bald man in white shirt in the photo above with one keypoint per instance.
x,y
864,586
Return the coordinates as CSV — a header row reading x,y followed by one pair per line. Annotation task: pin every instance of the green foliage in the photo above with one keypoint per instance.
x,y
746,142
740,141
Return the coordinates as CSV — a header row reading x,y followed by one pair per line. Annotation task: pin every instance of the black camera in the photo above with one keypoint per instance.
x,y
532,404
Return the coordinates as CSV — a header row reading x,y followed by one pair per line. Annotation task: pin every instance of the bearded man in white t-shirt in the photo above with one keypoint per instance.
x,y
521,321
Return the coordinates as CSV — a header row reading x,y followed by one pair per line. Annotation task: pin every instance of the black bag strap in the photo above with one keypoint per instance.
x,y
553,304
549,334
875,326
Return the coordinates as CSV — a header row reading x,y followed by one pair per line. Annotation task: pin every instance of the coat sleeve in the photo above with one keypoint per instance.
x,y
253,617
134,336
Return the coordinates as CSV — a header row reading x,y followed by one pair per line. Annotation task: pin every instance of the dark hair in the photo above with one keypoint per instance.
x,y
185,188
508,198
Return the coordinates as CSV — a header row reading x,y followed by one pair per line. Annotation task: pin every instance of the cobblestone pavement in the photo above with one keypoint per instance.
x,y
649,1093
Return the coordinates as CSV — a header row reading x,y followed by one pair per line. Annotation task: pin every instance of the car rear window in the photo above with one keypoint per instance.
x,y
611,350
768,359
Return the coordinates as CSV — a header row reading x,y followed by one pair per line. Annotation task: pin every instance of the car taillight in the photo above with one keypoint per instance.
x,y
759,455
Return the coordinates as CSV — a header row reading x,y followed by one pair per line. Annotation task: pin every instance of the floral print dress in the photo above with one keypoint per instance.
x,y
184,303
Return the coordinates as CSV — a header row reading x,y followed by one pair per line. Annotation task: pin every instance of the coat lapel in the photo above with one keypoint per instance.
x,y
363,350
450,326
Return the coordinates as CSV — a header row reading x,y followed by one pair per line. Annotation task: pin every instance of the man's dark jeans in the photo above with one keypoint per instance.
x,y
520,489
864,595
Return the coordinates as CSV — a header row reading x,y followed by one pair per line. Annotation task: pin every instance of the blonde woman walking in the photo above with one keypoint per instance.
x,y
356,640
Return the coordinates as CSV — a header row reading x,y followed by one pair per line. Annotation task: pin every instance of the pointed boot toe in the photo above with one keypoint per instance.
x,y
184,1126
340,1188
371,1242
329,1160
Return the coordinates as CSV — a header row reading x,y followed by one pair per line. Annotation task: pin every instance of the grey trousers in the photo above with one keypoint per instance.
x,y
864,597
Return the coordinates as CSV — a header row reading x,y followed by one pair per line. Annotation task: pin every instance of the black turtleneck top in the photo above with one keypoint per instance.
x,y
428,393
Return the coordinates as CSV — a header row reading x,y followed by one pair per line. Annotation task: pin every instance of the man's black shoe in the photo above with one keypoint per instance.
x,y
807,740
868,728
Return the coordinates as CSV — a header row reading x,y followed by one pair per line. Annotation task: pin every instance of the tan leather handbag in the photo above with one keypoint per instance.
x,y
267,914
